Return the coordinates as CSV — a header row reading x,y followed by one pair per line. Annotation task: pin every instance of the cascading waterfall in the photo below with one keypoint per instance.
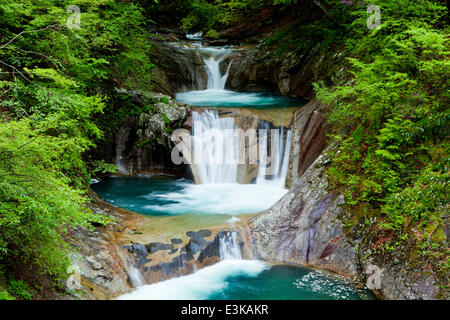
x,y
229,247
195,36
216,151
135,276
280,148
216,81
215,148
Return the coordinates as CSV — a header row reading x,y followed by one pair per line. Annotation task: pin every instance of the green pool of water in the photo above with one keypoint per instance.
x,y
251,280
162,196
233,99
289,283
139,194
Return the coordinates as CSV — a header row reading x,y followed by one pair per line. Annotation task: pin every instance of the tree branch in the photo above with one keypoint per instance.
x,y
23,32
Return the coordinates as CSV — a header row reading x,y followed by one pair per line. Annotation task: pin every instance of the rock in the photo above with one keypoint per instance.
x,y
100,261
200,249
142,144
398,281
303,227
94,263
155,247
177,69
289,74
308,139
219,42
176,241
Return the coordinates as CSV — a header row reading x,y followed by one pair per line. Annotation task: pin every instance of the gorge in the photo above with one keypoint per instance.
x,y
228,193
224,150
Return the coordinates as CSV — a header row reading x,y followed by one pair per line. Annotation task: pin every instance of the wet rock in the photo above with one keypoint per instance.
x,y
197,241
93,263
290,74
176,241
199,234
142,143
308,139
303,227
155,247
212,248
99,260
177,69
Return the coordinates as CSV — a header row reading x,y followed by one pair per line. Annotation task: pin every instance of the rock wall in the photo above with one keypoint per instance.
x,y
289,74
100,264
303,227
142,143
308,139
176,69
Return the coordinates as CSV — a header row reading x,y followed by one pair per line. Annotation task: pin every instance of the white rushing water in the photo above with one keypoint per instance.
x,y
201,284
229,247
135,276
216,157
215,148
218,198
216,81
195,36
216,151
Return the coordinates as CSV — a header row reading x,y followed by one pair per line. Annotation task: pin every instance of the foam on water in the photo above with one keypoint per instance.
x,y
219,198
159,196
195,36
199,285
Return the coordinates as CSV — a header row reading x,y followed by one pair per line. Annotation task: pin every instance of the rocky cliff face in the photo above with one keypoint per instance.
x,y
289,74
101,266
308,139
142,143
177,69
303,227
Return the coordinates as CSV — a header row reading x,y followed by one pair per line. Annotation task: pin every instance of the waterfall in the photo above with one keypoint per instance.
x,y
135,276
229,247
216,81
195,36
216,151
215,148
280,148
262,157
121,139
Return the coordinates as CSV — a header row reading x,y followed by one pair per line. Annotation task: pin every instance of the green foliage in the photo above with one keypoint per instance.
x,y
4,295
392,116
213,34
203,15
37,203
55,86
20,289
300,35
427,198
100,167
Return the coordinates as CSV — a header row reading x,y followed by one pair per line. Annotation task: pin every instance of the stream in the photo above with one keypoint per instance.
x,y
219,197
